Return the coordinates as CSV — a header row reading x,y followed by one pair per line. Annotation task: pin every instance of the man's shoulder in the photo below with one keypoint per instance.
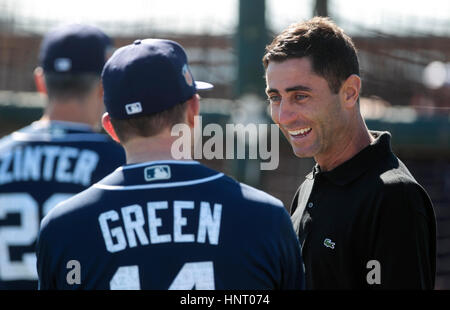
x,y
254,195
8,142
67,211
389,175
397,187
238,191
33,134
110,152
397,180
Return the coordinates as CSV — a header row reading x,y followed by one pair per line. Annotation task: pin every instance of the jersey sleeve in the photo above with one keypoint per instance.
x,y
292,266
43,258
405,245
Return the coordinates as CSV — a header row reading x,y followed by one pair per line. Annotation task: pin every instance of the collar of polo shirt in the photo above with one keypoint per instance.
x,y
358,164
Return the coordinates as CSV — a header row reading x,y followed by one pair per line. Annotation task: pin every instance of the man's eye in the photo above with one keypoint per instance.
x,y
274,99
300,97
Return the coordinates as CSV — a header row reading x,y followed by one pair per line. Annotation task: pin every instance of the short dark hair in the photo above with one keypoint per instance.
x,y
332,52
68,85
149,125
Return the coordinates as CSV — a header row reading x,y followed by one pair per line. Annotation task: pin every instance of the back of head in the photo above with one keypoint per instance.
x,y
72,57
332,53
146,85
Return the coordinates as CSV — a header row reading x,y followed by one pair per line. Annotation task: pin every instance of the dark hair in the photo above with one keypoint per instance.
x,y
68,85
332,52
148,125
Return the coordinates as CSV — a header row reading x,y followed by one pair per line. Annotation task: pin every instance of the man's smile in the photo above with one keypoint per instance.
x,y
300,133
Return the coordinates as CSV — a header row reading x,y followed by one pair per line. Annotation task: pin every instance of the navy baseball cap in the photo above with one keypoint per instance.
x,y
147,77
75,49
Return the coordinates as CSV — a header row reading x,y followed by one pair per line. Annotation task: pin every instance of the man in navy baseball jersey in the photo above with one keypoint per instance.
x,y
160,223
59,155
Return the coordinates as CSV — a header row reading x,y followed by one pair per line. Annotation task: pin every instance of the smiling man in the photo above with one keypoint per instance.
x,y
362,219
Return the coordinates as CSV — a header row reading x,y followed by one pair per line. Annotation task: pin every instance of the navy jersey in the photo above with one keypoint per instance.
x,y
41,165
169,225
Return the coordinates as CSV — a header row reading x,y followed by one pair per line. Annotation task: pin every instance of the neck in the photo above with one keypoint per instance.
x,y
71,110
142,149
353,140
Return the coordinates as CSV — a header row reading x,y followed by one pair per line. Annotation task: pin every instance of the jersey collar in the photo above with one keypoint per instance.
x,y
64,125
158,174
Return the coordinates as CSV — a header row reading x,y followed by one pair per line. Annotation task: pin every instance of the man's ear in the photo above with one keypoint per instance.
x,y
192,109
106,123
39,80
350,90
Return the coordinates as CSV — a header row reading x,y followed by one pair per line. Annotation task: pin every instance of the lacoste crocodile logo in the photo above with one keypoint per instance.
x,y
328,243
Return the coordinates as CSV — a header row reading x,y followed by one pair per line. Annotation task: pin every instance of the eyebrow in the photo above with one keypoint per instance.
x,y
289,89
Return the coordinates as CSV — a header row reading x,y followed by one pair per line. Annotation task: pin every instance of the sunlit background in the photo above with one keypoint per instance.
x,y
404,51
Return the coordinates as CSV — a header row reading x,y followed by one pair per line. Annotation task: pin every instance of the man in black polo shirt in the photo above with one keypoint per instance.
x,y
362,219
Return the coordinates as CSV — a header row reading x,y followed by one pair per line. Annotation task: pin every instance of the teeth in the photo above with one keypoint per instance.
x,y
299,132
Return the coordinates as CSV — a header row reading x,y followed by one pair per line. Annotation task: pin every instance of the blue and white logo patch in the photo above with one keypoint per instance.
x,y
154,173
133,108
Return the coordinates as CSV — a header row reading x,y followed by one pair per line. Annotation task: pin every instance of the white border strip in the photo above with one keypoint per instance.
x,y
157,162
161,185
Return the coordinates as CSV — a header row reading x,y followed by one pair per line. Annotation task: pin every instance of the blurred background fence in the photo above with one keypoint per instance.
x,y
404,51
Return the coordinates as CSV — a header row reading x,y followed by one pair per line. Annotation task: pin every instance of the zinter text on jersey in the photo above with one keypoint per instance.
x,y
48,163
132,232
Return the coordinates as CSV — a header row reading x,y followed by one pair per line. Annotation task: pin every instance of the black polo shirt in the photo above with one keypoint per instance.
x,y
366,224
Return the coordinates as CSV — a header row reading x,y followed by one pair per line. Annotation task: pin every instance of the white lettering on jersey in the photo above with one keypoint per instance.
x,y
32,163
85,166
5,175
154,222
36,163
208,223
132,232
17,163
62,173
179,221
51,152
108,233
133,228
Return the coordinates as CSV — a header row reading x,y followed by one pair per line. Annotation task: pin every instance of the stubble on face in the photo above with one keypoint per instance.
x,y
320,110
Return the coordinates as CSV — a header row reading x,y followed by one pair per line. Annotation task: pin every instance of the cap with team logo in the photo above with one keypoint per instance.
x,y
75,49
147,77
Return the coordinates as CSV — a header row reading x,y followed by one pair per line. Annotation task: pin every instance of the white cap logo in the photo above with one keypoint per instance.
x,y
63,64
133,108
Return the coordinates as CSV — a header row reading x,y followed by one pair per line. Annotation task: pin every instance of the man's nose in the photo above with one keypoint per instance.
x,y
286,112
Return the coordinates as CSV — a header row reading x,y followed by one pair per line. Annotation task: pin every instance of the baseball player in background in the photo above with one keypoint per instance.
x,y
59,155
159,223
